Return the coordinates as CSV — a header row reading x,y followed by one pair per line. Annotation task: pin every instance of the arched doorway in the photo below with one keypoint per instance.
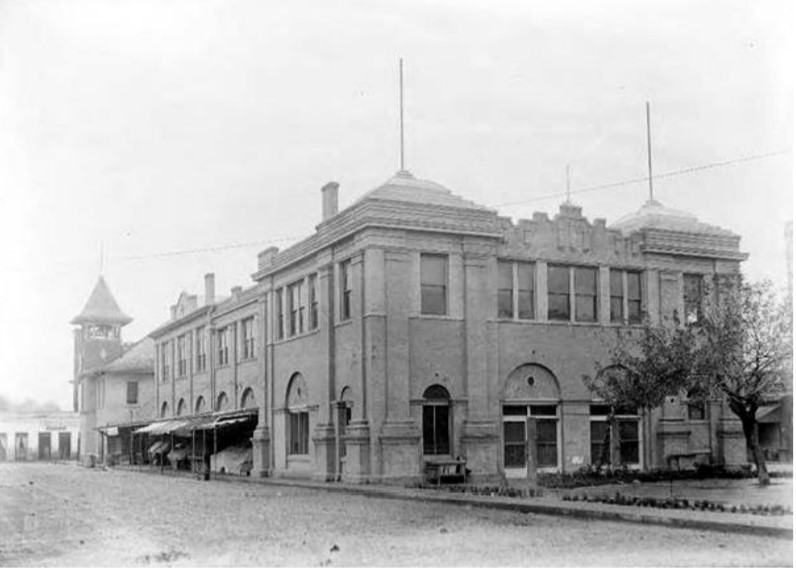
x,y
164,409
436,421
181,407
298,416
531,421
199,407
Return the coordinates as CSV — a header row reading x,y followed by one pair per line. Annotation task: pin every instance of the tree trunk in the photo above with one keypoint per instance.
x,y
750,432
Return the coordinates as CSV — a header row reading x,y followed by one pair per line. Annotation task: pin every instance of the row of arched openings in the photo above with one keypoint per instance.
x,y
247,400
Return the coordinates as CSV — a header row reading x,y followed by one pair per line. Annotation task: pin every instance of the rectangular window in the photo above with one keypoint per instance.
x,y
433,284
201,349
505,289
627,429
295,308
132,392
182,361
164,360
345,290
546,443
558,292
692,297
280,315
222,336
514,444
312,290
634,313
526,278
628,441
247,331
617,296
585,294
298,432
599,453
696,410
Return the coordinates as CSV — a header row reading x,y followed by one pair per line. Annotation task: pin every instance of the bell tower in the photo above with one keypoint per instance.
x,y
98,339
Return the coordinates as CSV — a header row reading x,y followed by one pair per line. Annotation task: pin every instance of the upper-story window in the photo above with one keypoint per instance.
x,y
522,276
433,284
182,357
132,392
247,332
692,297
296,307
165,357
345,290
312,291
505,289
585,294
201,349
280,315
222,336
558,292
619,293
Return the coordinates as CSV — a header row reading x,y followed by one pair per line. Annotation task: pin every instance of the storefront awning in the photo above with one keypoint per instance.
x,y
228,419
159,447
770,414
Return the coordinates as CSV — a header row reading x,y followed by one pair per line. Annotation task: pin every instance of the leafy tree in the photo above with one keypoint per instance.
x,y
646,367
743,353
738,351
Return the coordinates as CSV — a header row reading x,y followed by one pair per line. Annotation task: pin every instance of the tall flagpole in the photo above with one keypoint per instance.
x,y
649,151
569,193
401,99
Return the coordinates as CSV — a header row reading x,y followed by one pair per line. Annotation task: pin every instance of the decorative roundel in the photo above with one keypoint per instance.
x,y
531,380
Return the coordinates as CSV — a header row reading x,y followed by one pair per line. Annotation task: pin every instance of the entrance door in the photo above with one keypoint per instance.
x,y
45,439
21,446
64,445
525,428
3,447
515,446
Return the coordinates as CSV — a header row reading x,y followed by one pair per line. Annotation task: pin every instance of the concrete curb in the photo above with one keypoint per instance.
x,y
692,520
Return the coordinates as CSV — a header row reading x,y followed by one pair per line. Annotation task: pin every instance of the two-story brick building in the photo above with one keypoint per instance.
x,y
416,326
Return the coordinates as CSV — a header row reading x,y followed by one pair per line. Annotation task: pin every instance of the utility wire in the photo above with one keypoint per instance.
x,y
612,185
674,173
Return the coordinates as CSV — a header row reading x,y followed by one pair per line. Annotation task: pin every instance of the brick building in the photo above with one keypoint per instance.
x,y
416,327
114,387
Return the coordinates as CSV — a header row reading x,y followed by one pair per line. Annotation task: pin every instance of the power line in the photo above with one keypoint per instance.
x,y
612,185
673,173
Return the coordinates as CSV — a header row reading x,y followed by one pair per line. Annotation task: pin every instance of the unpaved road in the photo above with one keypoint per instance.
x,y
63,515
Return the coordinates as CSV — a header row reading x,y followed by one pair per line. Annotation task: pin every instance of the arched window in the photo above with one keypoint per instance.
x,y
221,401
200,405
436,421
181,407
164,409
247,400
298,416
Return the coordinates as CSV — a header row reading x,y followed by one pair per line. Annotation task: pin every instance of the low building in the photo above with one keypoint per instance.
x,y
416,328
28,436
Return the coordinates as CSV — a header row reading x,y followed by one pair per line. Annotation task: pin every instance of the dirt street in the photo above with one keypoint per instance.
x,y
63,515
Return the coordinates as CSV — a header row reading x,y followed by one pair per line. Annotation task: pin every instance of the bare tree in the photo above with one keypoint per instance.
x,y
743,353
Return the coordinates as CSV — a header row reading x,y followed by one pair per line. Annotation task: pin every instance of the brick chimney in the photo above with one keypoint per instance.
x,y
210,289
329,192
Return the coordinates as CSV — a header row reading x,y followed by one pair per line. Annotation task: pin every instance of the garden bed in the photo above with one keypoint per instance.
x,y
674,503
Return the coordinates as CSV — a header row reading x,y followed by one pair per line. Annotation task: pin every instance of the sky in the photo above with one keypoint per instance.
x,y
145,128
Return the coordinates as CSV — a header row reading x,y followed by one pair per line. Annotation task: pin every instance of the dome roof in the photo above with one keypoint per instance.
x,y
403,186
653,215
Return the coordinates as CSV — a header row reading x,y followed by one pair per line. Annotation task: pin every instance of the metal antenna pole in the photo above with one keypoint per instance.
x,y
649,151
102,257
569,193
401,99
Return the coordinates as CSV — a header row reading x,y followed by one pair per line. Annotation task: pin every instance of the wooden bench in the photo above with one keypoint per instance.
x,y
450,470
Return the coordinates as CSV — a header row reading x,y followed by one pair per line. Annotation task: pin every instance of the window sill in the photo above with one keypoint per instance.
x,y
293,338
344,322
432,317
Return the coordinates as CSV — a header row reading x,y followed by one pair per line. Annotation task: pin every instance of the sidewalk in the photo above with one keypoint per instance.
x,y
549,504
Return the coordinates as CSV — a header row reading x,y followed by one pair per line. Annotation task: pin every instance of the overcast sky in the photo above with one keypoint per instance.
x,y
161,126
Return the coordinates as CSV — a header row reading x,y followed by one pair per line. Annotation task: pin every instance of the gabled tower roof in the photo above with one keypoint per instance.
x,y
101,307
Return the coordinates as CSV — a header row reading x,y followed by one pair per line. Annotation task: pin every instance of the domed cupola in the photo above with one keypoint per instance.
x,y
653,215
